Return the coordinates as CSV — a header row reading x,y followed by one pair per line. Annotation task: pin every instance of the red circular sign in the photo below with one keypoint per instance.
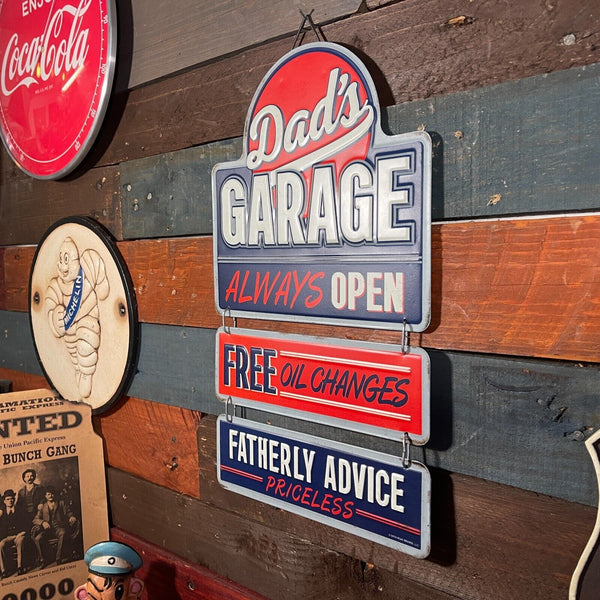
x,y
56,68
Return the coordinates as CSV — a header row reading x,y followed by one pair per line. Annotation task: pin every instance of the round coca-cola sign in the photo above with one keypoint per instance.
x,y
56,70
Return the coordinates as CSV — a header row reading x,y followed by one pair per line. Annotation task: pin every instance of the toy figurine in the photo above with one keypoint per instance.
x,y
111,567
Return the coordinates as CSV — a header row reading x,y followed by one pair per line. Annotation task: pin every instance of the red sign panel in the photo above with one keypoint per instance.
x,y
56,69
366,387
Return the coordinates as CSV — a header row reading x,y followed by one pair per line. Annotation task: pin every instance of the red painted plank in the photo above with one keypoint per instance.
x,y
168,577
2,282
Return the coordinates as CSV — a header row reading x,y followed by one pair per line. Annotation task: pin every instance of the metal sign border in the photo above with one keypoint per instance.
x,y
379,138
423,552
105,95
334,421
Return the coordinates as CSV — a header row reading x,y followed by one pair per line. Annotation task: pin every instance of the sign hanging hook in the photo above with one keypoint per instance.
x,y
406,443
226,327
229,409
316,30
404,341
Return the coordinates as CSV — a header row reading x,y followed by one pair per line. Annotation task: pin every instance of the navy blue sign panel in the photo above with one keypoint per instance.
x,y
360,491
324,218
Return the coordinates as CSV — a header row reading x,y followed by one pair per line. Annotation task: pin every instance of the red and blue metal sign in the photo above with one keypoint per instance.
x,y
371,388
325,218
359,491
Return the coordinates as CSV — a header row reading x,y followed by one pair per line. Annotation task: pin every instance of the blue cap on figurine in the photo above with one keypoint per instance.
x,y
112,558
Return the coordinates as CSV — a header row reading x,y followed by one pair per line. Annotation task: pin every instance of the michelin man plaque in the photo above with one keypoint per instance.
x,y
83,313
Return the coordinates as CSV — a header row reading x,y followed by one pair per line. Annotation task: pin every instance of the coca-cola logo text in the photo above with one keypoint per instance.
x,y
60,49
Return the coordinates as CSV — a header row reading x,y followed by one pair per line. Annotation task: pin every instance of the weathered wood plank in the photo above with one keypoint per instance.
x,y
170,194
544,410
498,532
169,37
415,54
500,43
153,441
28,206
518,287
486,413
165,575
22,381
15,268
2,280
498,150
17,350
508,149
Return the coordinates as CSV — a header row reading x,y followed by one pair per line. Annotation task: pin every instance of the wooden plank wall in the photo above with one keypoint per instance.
x,y
509,93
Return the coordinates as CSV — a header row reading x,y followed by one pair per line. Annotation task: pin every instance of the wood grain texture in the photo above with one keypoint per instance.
x,y
15,265
2,279
507,148
28,207
457,45
169,576
412,51
169,37
22,381
499,150
499,533
518,287
511,284
170,194
490,144
166,576
152,441
543,408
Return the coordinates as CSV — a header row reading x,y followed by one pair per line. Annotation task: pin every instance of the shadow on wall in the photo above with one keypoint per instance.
x,y
119,93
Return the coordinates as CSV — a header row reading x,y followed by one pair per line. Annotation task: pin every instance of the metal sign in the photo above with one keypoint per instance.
x,y
360,491
371,388
324,218
56,71
83,313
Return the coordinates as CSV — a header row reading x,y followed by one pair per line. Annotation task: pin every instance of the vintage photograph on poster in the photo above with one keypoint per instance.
x,y
52,494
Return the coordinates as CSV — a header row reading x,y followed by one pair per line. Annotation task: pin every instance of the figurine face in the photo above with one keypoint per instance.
x,y
68,261
110,587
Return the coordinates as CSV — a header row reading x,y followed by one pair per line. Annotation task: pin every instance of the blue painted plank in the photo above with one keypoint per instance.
x,y
518,422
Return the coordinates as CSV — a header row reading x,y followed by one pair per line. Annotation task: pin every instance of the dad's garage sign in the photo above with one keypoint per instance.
x,y
372,388
324,218
56,70
373,495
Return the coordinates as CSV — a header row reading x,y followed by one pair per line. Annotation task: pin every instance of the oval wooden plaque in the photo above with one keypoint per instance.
x,y
83,313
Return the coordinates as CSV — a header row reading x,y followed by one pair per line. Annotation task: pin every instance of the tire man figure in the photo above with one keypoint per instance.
x,y
111,568
73,312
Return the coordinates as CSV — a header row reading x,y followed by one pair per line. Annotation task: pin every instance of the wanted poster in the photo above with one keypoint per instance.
x,y
52,495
